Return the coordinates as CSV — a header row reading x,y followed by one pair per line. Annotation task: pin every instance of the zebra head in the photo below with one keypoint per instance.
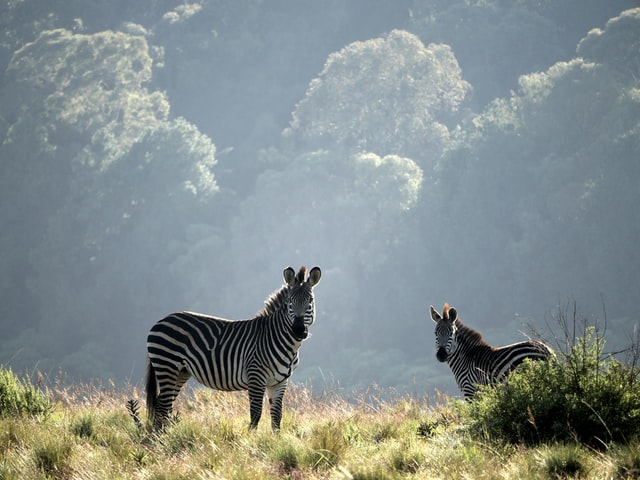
x,y
300,306
446,328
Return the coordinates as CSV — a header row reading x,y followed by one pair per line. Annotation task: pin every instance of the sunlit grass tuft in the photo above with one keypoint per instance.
x,y
328,445
52,455
626,462
182,437
406,458
565,461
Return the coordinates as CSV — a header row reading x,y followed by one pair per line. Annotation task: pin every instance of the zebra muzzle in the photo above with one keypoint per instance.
x,y
441,354
299,329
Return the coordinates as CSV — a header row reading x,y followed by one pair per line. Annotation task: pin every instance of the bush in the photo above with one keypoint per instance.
x,y
581,395
18,397
83,427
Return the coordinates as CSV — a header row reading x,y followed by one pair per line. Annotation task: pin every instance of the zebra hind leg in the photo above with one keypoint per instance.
x,y
169,389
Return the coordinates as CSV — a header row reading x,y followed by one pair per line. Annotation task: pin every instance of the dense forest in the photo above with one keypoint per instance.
x,y
163,155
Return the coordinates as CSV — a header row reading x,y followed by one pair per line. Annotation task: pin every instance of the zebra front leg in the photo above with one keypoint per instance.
x,y
256,394
275,395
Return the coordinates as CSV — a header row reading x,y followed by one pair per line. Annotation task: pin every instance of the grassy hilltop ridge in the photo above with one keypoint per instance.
x,y
89,434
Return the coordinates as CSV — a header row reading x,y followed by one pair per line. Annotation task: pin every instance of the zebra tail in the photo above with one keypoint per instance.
x,y
152,393
133,408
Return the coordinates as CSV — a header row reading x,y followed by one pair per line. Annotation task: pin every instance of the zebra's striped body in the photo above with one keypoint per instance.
x,y
257,355
472,360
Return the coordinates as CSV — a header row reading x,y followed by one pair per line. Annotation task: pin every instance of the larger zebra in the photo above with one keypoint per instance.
x,y
258,354
473,361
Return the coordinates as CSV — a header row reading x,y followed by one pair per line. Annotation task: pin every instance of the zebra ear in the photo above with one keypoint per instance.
x,y
453,314
435,316
289,275
314,276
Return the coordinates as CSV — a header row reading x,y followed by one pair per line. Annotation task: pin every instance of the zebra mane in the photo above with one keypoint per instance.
x,y
301,274
273,302
277,298
473,336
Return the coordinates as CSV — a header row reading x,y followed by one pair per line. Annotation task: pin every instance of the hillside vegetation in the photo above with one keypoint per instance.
x,y
576,417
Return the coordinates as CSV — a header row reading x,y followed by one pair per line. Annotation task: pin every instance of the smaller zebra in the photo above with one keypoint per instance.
x,y
472,360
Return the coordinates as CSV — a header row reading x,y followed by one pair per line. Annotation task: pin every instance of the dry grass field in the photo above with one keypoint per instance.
x,y
89,434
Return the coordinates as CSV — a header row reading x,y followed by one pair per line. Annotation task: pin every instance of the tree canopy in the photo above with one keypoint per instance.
x,y
165,156
388,95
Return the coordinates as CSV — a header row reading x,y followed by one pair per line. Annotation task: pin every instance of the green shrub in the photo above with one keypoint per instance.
x,y
18,397
581,395
83,426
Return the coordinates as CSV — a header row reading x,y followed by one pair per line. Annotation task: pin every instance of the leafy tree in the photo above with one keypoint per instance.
x,y
236,68
322,209
21,21
389,95
106,165
71,104
615,46
496,41
165,174
90,89
124,238
549,159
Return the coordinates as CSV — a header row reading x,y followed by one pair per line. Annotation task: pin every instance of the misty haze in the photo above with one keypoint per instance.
x,y
164,156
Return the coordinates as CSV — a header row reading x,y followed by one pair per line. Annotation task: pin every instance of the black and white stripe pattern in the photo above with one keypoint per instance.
x,y
473,361
257,355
